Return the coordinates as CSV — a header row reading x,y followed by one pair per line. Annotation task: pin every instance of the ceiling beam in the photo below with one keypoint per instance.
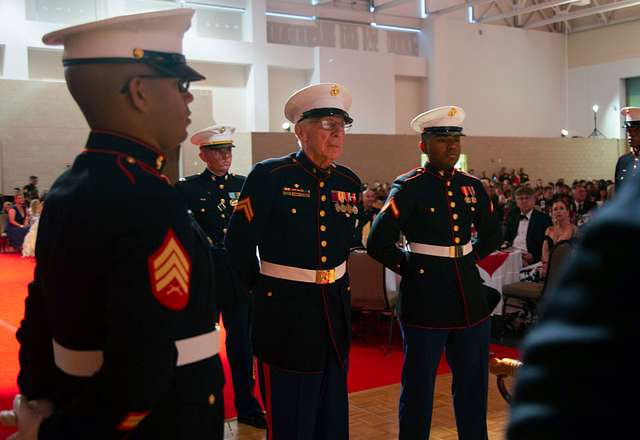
x,y
391,4
457,7
585,12
590,27
520,11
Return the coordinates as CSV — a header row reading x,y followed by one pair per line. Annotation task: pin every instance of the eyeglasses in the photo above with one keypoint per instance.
x,y
331,125
182,84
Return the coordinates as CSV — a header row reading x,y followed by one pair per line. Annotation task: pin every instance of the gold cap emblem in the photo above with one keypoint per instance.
x,y
159,162
335,90
138,53
452,112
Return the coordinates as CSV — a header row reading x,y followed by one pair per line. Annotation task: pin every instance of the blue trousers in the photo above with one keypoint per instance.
x,y
306,406
237,324
467,352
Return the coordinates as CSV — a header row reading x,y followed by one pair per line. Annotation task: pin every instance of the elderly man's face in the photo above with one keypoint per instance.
x,y
322,139
525,202
443,151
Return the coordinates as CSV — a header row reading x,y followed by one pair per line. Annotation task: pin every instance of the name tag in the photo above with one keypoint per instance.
x,y
296,192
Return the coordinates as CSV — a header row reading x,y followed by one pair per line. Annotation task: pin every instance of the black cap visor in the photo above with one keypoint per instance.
x,y
321,112
165,63
217,146
443,131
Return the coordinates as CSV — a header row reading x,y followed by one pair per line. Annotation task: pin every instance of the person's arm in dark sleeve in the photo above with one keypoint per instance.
x,y
139,347
387,226
37,369
247,224
487,225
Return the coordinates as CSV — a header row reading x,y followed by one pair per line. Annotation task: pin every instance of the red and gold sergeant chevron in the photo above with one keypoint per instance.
x,y
132,420
394,209
170,273
245,207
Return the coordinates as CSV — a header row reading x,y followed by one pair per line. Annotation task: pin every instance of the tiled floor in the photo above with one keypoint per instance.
x,y
373,415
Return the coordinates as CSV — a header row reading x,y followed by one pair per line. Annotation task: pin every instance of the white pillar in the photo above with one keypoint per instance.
x,y
13,36
258,97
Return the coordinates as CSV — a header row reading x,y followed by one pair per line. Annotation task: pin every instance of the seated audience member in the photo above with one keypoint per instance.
x,y
30,190
526,227
364,218
29,244
561,230
494,198
546,200
524,177
581,205
611,190
18,224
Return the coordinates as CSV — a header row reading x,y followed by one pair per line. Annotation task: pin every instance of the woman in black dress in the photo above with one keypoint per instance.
x,y
18,225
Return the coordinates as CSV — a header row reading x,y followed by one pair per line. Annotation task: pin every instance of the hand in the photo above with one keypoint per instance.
x,y
30,416
527,258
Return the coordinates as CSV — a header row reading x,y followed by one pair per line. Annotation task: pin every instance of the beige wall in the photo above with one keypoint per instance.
x,y
42,130
411,100
282,84
545,158
384,157
604,45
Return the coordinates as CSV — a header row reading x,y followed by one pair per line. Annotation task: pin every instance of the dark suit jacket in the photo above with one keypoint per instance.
x,y
578,368
587,206
538,223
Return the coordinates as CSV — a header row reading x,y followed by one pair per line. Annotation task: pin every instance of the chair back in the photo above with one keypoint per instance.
x,y
366,278
557,258
4,220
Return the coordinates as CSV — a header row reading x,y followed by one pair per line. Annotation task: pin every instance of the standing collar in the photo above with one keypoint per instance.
x,y
207,172
443,174
308,165
127,146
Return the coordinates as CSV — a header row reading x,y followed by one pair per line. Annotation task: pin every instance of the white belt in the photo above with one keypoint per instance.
x,y
441,251
323,276
85,363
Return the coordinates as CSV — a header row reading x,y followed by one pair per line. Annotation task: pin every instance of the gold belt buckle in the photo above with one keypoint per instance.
x,y
325,276
456,251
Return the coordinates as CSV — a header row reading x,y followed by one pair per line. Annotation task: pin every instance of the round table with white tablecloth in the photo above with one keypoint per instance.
x,y
500,268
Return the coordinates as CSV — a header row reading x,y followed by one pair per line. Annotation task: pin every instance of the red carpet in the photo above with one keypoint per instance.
x,y
368,368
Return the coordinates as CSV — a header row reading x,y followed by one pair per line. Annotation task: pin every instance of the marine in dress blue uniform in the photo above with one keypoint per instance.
x,y
443,303
629,164
119,334
211,197
299,211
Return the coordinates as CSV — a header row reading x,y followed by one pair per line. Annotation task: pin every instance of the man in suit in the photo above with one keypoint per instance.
x,y
629,164
579,369
211,197
581,206
119,334
444,305
526,227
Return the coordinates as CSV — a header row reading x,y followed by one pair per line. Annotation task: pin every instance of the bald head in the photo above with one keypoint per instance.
x,y
131,99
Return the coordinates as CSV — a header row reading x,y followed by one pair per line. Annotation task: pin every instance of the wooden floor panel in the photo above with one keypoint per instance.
x,y
373,415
